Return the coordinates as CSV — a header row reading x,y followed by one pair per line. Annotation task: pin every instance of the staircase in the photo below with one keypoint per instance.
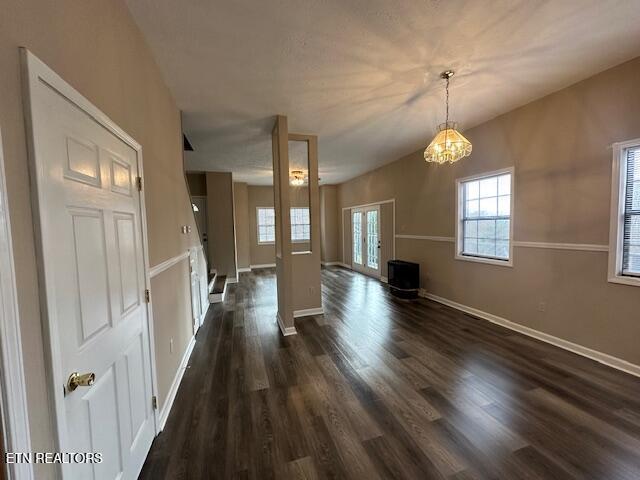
x,y
217,287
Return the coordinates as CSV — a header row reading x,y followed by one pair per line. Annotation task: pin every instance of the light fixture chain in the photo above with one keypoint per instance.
x,y
447,102
446,120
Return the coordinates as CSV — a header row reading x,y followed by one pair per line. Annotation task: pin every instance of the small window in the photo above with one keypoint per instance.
x,y
484,223
266,225
300,225
624,251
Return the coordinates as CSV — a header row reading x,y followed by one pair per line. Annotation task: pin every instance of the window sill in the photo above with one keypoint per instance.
x,y
623,280
488,261
306,252
266,243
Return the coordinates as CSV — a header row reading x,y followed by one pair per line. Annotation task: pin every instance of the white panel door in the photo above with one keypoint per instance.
x,y
93,263
204,284
366,240
196,301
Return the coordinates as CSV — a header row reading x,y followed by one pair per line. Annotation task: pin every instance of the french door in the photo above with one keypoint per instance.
x,y
365,242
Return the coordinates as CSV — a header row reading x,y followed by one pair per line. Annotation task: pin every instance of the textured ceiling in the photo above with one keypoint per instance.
x,y
363,75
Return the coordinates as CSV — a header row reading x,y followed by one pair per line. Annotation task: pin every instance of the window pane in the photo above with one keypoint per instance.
x,y
300,224
487,247
504,205
502,248
473,208
502,229
471,228
634,229
470,246
636,194
473,190
504,184
487,229
488,207
489,187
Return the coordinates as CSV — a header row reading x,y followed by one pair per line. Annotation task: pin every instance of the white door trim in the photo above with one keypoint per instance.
x,y
34,71
13,401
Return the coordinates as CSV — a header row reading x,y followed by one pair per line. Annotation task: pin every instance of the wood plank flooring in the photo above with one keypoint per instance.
x,y
380,388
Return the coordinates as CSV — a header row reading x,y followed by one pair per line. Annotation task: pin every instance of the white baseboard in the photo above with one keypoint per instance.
x,y
308,312
264,265
286,331
344,265
232,280
244,269
384,279
329,264
171,396
599,357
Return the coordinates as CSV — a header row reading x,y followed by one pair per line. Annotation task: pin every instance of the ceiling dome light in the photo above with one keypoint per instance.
x,y
296,178
449,145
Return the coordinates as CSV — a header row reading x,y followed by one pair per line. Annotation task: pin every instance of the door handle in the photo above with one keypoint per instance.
x,y
80,380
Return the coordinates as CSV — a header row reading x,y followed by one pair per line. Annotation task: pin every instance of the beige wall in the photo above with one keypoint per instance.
x,y
171,298
220,228
329,219
560,148
386,237
96,47
259,196
241,208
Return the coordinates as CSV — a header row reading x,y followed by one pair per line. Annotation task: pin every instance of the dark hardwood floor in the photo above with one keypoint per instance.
x,y
383,388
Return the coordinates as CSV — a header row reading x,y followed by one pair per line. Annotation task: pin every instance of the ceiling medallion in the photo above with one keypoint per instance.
x,y
449,145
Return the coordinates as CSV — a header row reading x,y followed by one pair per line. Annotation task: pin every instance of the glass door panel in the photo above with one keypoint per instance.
x,y
373,243
357,237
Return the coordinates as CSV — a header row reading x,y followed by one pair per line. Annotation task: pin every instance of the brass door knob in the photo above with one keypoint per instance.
x,y
80,380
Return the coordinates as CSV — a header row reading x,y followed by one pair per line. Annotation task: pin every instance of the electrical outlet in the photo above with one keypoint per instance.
x,y
171,345
542,306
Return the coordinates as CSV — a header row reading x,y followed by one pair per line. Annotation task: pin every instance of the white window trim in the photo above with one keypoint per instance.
x,y
616,218
459,207
258,224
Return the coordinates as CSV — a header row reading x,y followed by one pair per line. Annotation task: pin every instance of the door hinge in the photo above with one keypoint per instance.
x,y
147,296
139,183
154,402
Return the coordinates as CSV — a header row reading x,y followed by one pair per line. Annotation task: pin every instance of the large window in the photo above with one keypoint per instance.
x,y
300,225
266,225
624,252
484,218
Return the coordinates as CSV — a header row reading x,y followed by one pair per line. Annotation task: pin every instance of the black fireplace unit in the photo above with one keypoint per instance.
x,y
404,278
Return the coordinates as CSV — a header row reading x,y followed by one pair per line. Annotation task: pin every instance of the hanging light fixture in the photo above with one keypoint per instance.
x,y
449,145
296,178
